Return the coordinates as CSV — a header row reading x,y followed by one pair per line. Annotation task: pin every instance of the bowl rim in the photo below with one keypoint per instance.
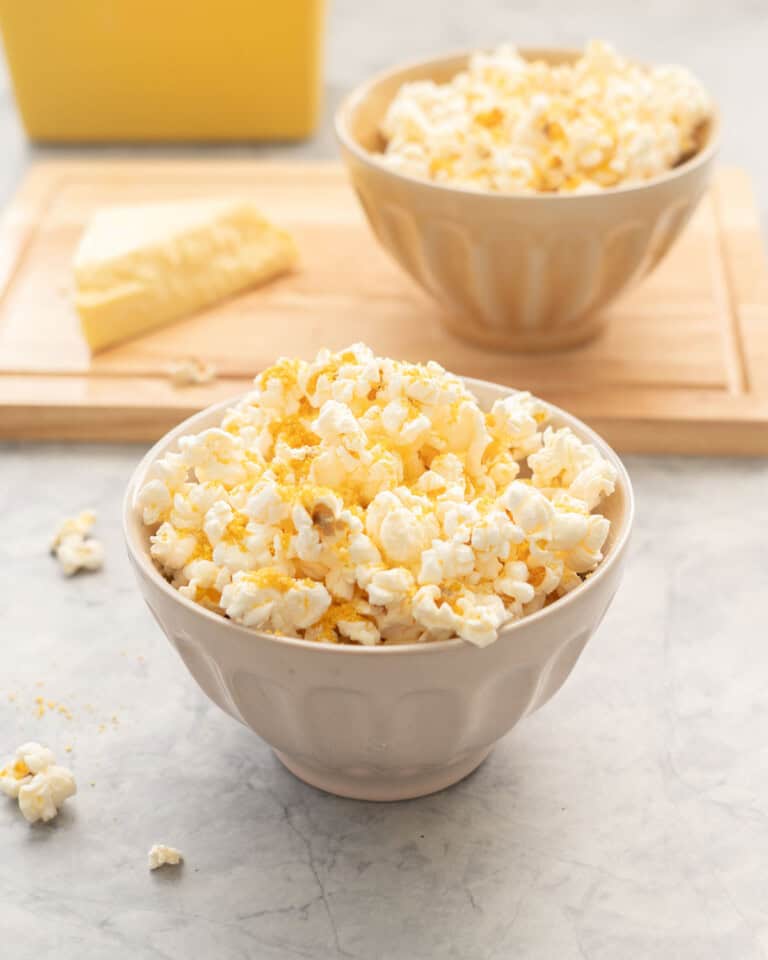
x,y
144,563
359,94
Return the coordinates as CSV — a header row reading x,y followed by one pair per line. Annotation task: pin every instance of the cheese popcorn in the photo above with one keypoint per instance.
x,y
358,499
74,547
511,125
37,782
161,855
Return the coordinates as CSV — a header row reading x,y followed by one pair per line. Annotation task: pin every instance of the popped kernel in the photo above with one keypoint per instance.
x,y
191,372
37,782
74,547
161,855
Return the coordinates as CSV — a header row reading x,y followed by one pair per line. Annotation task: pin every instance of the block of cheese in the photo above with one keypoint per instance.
x,y
138,267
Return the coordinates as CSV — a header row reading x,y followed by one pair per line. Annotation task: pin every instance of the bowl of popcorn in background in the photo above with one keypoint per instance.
x,y
527,190
378,606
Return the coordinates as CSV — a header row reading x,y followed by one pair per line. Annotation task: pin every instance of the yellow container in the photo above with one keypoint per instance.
x,y
110,70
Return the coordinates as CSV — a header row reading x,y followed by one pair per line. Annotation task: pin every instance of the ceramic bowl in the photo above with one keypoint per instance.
x,y
515,271
381,723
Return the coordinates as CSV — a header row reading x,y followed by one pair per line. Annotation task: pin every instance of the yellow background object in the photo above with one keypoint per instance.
x,y
165,69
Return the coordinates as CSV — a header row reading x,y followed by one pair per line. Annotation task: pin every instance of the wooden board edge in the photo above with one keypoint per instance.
x,y
745,263
49,170
700,438
19,220
88,424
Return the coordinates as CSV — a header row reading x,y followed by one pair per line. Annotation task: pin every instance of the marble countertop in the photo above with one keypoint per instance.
x,y
628,819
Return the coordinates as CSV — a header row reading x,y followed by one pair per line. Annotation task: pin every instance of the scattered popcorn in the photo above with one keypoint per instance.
x,y
160,855
34,779
73,546
191,372
364,500
79,526
508,124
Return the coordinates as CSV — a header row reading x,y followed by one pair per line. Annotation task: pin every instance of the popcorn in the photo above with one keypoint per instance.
x,y
76,554
29,759
41,798
154,499
474,617
529,508
79,526
73,546
160,855
215,455
34,779
565,462
511,125
357,499
269,596
191,372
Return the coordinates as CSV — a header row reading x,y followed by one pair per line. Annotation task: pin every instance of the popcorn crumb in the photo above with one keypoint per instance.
x,y
160,855
80,526
37,782
191,372
358,499
512,125
73,546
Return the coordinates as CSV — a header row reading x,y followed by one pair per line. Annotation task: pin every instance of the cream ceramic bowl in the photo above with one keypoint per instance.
x,y
516,271
381,723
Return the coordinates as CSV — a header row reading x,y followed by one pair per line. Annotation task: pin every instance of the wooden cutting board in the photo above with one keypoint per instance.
x,y
682,367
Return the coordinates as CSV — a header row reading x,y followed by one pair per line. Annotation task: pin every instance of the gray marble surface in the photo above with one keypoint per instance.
x,y
626,820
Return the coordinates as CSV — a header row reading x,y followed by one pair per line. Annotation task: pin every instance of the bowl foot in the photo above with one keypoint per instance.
x,y
545,340
381,786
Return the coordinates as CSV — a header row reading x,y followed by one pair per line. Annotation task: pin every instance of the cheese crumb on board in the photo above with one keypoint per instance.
x,y
33,777
191,372
138,267
73,546
161,855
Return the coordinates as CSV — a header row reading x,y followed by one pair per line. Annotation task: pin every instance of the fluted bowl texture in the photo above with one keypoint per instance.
x,y
528,272
381,723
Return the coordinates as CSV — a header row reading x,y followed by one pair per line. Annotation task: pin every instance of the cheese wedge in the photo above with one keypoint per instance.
x,y
139,267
